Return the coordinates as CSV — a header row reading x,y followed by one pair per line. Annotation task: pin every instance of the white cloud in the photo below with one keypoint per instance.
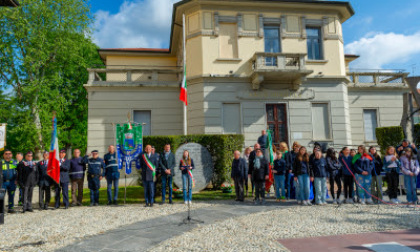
x,y
381,49
139,23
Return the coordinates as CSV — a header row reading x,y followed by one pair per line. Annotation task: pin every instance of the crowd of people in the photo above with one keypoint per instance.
x,y
24,174
357,172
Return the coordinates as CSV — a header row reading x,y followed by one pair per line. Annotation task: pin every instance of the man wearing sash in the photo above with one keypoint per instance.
x,y
148,163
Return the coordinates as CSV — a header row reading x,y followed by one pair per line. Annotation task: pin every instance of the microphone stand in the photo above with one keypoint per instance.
x,y
189,220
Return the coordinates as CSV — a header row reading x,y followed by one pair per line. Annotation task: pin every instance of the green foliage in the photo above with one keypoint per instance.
x,y
389,136
221,148
417,133
44,54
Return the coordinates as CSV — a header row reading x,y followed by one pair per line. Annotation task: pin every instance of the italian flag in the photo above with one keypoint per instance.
x,y
183,94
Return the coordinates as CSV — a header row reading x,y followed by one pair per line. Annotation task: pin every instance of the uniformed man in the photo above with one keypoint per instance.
x,y
96,165
9,178
64,181
112,174
28,178
45,183
148,165
19,158
77,177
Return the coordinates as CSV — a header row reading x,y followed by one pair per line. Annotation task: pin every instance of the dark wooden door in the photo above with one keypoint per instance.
x,y
277,122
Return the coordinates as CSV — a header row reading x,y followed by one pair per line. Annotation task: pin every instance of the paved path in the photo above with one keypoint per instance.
x,y
392,241
144,235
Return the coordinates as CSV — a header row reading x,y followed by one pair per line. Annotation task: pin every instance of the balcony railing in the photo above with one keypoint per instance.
x,y
286,68
148,75
381,78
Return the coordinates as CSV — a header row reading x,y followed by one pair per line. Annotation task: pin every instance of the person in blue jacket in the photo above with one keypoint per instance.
x,y
363,165
64,181
96,165
320,173
9,169
279,171
112,174
347,174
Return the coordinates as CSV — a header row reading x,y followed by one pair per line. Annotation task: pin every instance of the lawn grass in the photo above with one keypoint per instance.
x,y
135,195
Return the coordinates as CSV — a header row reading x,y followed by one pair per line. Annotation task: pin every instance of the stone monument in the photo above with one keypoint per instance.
x,y
203,171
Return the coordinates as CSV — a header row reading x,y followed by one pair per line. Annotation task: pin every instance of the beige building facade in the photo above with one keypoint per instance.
x,y
251,65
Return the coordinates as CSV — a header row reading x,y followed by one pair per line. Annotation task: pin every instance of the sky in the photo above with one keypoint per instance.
x,y
385,33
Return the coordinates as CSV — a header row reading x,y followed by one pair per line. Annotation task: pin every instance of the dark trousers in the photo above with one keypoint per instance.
x,y
246,183
44,191
94,196
109,183
348,186
77,191
393,184
20,202
259,190
64,188
239,188
167,180
27,197
337,179
10,187
149,194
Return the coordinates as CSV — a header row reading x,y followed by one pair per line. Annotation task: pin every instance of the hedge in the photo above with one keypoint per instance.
x,y
389,136
221,148
417,133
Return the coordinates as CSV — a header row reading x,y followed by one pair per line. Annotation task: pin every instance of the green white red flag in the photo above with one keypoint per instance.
x,y
183,95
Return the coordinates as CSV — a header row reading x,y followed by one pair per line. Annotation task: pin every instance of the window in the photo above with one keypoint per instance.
x,y
271,43
371,123
321,121
144,116
228,41
232,118
314,43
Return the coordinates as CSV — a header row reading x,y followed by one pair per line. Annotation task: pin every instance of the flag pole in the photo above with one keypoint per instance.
x,y
185,64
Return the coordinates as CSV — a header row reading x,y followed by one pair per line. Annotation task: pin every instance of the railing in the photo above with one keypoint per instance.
x,y
278,61
133,74
383,77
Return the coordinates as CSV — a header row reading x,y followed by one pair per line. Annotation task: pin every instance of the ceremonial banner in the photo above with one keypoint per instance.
x,y
270,180
129,145
53,169
2,136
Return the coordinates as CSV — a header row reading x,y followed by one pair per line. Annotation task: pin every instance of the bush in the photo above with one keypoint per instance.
x,y
389,136
221,148
417,133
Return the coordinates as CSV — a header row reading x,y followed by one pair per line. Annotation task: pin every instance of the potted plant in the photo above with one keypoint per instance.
x,y
177,193
226,188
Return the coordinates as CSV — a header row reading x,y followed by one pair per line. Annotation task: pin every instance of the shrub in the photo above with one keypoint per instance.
x,y
389,136
221,148
417,133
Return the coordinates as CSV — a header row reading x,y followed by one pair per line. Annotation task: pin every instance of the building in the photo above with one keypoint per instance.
x,y
251,65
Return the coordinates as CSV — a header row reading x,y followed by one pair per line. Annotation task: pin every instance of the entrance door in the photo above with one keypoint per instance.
x,y
277,122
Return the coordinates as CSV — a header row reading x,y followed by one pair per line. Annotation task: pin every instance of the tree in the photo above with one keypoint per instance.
x,y
44,54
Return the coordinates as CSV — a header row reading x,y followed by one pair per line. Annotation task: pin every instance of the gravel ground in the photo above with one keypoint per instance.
x,y
260,231
50,230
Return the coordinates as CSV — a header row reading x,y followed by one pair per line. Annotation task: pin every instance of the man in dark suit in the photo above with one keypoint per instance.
x,y
44,183
238,175
167,165
28,177
64,181
251,165
148,164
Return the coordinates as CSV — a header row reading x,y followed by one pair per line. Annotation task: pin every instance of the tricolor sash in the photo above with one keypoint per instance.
x,y
149,164
189,172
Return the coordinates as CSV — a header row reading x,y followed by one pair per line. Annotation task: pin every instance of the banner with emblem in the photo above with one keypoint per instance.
x,y
2,136
129,145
